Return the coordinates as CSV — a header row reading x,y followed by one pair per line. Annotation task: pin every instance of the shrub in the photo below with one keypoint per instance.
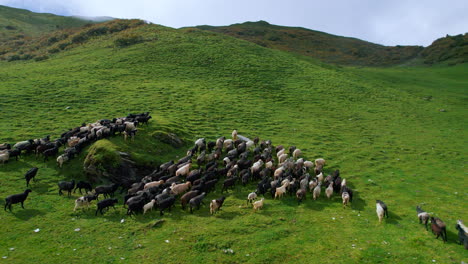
x,y
79,38
97,31
128,39
41,58
13,57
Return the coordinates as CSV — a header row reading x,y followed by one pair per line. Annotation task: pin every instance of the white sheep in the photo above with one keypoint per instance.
x,y
319,162
317,191
312,184
180,188
184,170
282,158
343,183
256,166
227,143
345,198
251,197
279,153
4,157
250,144
296,153
72,141
280,191
153,184
148,206
320,177
62,159
329,190
308,164
278,172
129,126
258,204
234,134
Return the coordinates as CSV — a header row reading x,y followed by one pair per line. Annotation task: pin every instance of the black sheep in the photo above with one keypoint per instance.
x,y
16,198
50,152
196,201
66,186
105,203
83,185
31,174
14,153
186,198
166,203
107,190
228,183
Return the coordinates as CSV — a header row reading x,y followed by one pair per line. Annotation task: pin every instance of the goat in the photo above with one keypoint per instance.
x,y
16,198
381,209
66,186
215,205
31,174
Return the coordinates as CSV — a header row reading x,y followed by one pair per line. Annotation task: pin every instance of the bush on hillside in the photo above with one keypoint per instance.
x,y
128,40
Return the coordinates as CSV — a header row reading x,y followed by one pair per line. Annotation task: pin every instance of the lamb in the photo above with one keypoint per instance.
x,y
31,174
84,201
251,197
258,204
317,191
329,190
439,228
149,206
105,204
16,198
196,201
381,209
215,205
83,185
180,188
462,233
422,216
66,186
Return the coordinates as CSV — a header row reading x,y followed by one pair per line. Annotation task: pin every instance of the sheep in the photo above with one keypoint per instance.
x,y
215,205
234,135
105,204
31,174
462,233
251,197
83,185
186,198
62,159
166,203
422,216
280,152
184,170
317,191
278,172
196,201
228,183
258,204
345,198
23,144
319,163
66,186
296,153
312,184
282,158
107,190
343,184
14,153
16,198
153,184
149,206
320,177
84,201
381,209
301,195
281,190
329,190
438,228
308,164
4,157
131,134
256,166
50,152
5,146
180,188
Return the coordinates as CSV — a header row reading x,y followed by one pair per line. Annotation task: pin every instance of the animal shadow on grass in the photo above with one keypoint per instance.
x,y
26,214
392,218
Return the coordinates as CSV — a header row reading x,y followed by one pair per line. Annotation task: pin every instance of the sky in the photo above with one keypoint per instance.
x,y
386,22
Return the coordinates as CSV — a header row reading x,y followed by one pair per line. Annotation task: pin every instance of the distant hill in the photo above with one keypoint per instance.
x,y
319,45
17,24
450,50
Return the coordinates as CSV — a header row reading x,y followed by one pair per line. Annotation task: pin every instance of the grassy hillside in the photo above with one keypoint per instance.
x,y
382,128
449,50
319,45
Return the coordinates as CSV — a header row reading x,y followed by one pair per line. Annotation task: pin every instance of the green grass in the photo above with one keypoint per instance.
x,y
382,128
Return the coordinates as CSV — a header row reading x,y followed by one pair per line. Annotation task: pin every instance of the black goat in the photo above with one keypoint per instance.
x,y
30,174
196,201
66,186
105,203
16,198
83,185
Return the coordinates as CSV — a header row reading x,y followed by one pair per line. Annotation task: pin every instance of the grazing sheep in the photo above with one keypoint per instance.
x,y
149,206
329,190
166,203
296,153
215,205
317,191
196,201
31,174
186,198
258,204
301,195
422,216
84,201
345,198
381,209
462,233
251,197
66,186
16,198
177,189
439,228
62,159
83,185
105,204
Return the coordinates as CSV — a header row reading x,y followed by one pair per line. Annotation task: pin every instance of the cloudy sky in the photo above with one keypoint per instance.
x,y
387,22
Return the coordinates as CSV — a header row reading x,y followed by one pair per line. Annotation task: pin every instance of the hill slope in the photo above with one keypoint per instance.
x,y
382,128
319,45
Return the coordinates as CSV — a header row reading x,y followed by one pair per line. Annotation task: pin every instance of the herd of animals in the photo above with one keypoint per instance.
x,y
238,160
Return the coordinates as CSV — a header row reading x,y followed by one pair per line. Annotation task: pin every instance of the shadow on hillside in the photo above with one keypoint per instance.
x,y
27,214
392,218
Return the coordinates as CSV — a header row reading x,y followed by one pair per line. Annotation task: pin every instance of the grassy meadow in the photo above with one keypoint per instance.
x,y
396,134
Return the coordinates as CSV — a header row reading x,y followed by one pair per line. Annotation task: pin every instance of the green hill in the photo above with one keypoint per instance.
x,y
319,45
450,50
396,134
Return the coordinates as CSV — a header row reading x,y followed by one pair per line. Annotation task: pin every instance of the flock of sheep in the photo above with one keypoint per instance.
x,y
229,161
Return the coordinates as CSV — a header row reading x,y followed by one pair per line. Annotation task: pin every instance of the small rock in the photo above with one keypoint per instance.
x,y
122,258
68,107
74,249
77,229
4,257
37,230
167,241
441,110
122,221
11,249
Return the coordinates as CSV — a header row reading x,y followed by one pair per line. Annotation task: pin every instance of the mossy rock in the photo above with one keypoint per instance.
x,y
102,158
169,138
